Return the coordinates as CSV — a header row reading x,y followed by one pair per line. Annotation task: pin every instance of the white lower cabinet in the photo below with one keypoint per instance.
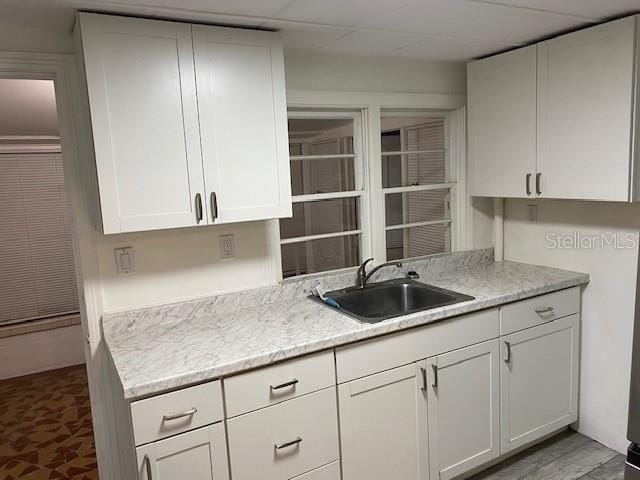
x,y
383,424
285,440
463,405
197,455
539,381
400,417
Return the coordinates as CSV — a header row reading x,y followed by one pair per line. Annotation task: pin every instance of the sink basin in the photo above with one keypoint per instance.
x,y
384,300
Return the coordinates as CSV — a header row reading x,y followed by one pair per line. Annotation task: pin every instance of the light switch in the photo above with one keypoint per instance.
x,y
124,260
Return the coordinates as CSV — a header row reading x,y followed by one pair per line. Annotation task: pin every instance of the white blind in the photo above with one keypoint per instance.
x,y
426,168
37,276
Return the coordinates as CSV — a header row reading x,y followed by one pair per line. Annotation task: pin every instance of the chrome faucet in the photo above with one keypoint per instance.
x,y
363,277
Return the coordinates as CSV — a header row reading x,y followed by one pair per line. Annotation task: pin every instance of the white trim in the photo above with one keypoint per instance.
x,y
26,148
419,188
320,236
460,200
413,152
402,226
414,101
320,157
315,197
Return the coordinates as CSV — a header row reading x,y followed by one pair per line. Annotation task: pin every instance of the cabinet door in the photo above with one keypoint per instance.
x,y
502,123
142,98
243,123
585,98
539,381
464,409
383,424
197,455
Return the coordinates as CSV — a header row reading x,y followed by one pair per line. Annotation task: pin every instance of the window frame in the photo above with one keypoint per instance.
x,y
360,191
371,106
450,185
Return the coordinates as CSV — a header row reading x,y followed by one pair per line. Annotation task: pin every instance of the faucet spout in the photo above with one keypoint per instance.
x,y
363,277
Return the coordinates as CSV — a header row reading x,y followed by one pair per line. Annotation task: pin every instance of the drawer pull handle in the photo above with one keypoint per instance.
x,y
542,311
291,383
174,416
147,467
508,359
292,443
435,376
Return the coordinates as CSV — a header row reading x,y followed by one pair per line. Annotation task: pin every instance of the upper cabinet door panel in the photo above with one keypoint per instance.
x,y
502,123
585,98
243,122
141,89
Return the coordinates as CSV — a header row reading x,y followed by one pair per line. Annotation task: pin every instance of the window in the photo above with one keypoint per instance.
x,y
325,232
416,184
37,277
340,216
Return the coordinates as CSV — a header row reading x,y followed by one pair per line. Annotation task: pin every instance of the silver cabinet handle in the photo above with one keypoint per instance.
x,y
291,383
198,207
292,443
538,181
508,359
174,416
528,184
542,311
435,376
214,205
147,467
423,372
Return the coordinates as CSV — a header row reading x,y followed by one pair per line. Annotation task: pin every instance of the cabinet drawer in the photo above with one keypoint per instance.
x,y
176,412
266,386
378,354
286,439
538,310
328,472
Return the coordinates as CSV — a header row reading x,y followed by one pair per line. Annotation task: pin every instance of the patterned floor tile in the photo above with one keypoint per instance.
x,y
45,427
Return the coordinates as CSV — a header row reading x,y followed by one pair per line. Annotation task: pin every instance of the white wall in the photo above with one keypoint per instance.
x,y
41,351
607,302
184,263
310,70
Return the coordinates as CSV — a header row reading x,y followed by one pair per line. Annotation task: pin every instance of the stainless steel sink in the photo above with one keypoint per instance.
x,y
381,301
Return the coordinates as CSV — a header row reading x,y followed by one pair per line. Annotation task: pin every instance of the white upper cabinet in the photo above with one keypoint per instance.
x,y
585,99
176,138
243,123
579,94
502,123
144,118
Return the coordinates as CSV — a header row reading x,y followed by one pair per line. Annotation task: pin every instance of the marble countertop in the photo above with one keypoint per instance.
x,y
167,347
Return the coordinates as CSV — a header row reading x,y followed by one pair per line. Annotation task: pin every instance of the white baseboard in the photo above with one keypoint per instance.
x,y
40,351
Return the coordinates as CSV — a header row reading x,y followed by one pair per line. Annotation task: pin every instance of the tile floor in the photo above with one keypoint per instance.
x,y
46,433
566,456
45,427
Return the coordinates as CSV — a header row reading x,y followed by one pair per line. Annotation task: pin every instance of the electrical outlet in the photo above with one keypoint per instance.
x,y
227,246
124,260
532,213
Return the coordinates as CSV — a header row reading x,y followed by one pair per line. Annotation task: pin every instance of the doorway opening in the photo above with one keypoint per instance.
x,y
45,414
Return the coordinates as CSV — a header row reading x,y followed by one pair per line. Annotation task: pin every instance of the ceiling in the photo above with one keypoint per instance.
x,y
453,30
